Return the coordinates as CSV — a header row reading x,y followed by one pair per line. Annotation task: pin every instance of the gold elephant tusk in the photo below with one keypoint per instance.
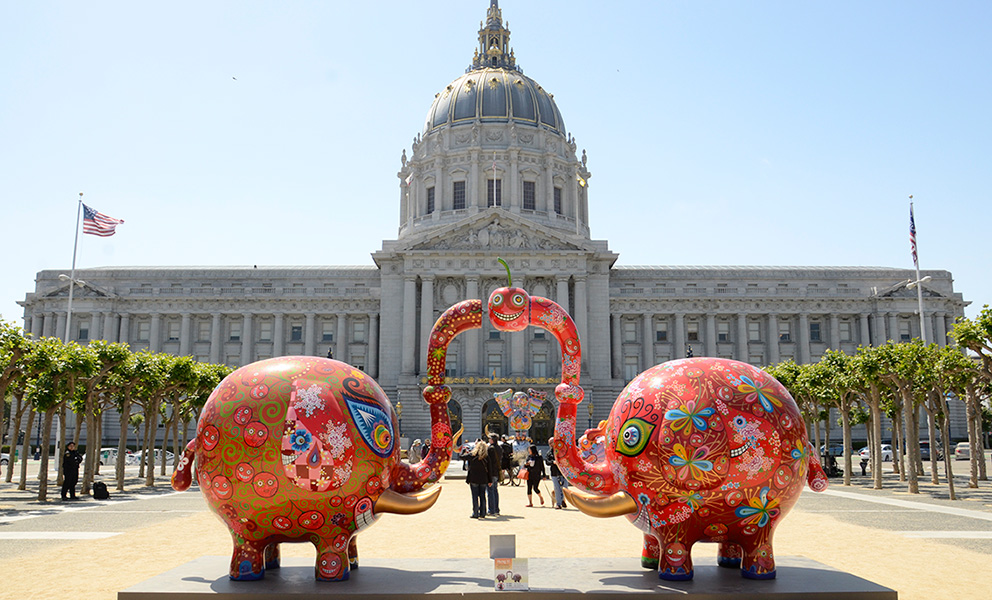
x,y
616,505
406,504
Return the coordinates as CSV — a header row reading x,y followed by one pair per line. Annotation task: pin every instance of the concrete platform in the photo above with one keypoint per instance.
x,y
550,579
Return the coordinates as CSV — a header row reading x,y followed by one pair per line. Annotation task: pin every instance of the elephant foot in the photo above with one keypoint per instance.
x,y
273,557
247,563
649,563
729,555
755,574
353,553
650,552
728,562
332,567
675,574
675,562
759,563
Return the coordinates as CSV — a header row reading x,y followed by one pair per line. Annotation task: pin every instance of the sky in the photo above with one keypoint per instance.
x,y
718,133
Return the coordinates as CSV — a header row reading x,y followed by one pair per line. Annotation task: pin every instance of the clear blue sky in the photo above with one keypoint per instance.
x,y
718,133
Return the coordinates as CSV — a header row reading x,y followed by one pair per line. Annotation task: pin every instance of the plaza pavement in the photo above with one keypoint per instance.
x,y
91,550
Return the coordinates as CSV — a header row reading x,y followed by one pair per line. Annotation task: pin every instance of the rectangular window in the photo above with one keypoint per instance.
x,y
629,331
172,331
540,365
458,194
83,333
630,367
233,360
904,331
358,361
144,331
845,331
327,331
754,331
558,201
723,331
814,332
538,334
494,364
494,197
756,359
430,200
530,195
234,331
494,334
358,331
661,331
450,366
784,331
203,330
265,331
296,333
692,331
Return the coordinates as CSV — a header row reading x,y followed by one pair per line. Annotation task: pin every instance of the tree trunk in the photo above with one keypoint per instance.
x,y
92,454
25,448
934,439
61,439
910,471
45,451
16,419
845,419
143,463
898,447
945,434
876,450
122,445
150,451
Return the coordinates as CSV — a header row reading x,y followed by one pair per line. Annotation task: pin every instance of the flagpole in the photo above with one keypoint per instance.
x,y
72,273
918,283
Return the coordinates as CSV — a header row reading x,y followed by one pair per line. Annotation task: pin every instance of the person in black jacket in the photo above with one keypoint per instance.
x,y
494,456
70,471
535,473
478,478
556,477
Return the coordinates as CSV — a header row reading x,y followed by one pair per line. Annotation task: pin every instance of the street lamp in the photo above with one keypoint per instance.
x,y
918,284
68,317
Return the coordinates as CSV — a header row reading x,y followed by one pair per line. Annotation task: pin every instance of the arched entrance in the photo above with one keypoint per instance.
x,y
455,415
543,427
494,419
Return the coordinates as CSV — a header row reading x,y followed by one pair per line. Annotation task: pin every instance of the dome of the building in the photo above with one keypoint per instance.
x,y
494,95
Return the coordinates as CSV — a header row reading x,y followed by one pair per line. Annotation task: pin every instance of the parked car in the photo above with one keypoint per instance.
x,y
925,451
108,456
136,457
962,451
865,453
835,450
4,459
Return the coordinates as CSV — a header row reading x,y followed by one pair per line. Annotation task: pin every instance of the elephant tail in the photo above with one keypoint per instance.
x,y
817,477
182,477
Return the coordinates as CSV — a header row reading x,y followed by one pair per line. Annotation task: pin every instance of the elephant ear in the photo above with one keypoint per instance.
x,y
317,449
505,401
374,425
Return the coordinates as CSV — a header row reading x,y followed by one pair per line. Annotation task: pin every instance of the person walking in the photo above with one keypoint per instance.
x,y
535,473
506,459
556,477
478,478
493,457
70,471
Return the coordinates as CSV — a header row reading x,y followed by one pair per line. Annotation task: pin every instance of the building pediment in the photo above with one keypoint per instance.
x,y
902,290
492,230
83,290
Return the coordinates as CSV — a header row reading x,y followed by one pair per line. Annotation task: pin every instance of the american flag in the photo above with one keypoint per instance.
x,y
97,223
912,235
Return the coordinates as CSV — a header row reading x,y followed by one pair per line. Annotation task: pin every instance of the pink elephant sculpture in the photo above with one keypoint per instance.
x,y
305,449
697,450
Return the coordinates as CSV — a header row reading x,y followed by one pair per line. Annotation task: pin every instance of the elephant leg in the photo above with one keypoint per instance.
x,y
729,555
758,561
353,552
649,554
675,560
247,563
272,556
332,564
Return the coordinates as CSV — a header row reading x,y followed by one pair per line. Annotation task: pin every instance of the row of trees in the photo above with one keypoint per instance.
x,y
902,382
44,378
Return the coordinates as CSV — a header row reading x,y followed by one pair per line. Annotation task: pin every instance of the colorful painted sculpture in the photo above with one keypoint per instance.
x,y
305,449
520,408
701,449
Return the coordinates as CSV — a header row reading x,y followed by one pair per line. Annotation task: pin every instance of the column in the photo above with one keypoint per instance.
x,y
155,337
515,195
474,201
648,324
834,331
110,326
215,343
774,356
60,327
50,324
928,323
518,352
549,185
879,328
940,331
125,333
185,335
372,360
893,327
278,335
410,322
562,295
426,317
863,335
803,338
246,340
742,353
678,348
617,347
96,325
341,338
710,335
37,326
471,337
309,335
582,314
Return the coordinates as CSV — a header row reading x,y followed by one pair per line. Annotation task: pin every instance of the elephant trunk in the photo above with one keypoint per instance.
x,y
594,477
458,318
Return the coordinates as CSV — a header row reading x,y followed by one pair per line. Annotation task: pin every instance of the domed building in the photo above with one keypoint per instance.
x,y
494,173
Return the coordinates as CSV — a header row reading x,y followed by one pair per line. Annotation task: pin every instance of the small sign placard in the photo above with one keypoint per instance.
x,y
510,574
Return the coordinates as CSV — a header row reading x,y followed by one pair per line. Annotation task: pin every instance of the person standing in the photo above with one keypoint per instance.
x,y
535,473
493,455
556,477
478,478
70,471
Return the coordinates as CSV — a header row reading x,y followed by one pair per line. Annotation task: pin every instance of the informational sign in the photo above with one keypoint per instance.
x,y
510,574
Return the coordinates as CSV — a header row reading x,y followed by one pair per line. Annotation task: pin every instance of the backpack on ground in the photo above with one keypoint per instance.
x,y
100,491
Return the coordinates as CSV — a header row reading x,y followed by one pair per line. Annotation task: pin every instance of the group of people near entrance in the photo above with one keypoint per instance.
x,y
488,461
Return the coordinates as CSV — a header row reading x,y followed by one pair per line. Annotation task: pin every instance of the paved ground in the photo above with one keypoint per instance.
x,y
924,546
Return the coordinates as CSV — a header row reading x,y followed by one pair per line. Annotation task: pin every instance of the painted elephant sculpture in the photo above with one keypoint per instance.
x,y
699,449
305,449
520,408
